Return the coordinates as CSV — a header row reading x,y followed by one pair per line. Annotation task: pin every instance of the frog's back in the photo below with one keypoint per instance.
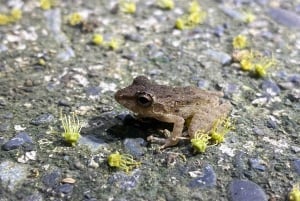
x,y
184,95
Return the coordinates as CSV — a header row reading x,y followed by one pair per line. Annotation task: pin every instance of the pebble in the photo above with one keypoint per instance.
x,y
271,124
135,146
53,22
92,142
34,197
285,17
7,115
219,30
221,57
286,85
258,131
297,9
78,165
20,139
3,48
66,54
52,179
231,88
133,56
207,180
68,180
240,164
2,101
232,13
4,127
93,92
19,128
203,84
65,188
295,149
42,119
92,163
64,103
125,181
296,164
295,79
12,174
134,37
294,95
243,190
30,155
270,87
255,163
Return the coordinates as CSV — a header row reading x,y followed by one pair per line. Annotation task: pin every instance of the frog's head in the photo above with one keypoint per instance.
x,y
136,96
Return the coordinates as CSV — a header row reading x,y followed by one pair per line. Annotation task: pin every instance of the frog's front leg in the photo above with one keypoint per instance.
x,y
177,129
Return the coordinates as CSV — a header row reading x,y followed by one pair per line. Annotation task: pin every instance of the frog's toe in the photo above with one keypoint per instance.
x,y
156,140
169,143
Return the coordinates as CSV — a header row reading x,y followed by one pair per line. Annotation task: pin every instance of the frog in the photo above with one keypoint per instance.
x,y
189,106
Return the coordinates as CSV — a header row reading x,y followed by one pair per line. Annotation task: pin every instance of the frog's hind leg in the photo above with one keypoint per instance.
x,y
204,119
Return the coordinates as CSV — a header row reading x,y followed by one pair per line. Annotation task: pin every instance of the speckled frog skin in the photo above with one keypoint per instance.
x,y
174,105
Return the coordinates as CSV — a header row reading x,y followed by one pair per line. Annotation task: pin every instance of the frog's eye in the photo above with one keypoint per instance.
x,y
144,99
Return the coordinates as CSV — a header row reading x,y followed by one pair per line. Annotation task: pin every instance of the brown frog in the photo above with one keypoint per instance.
x,y
199,108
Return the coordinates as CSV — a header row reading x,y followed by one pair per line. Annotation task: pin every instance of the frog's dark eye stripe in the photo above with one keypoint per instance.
x,y
144,99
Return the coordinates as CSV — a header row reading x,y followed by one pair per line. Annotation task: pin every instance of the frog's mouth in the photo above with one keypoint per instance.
x,y
125,100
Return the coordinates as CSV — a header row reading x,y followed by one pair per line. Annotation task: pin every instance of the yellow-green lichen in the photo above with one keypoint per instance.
x,y
165,4
97,39
123,162
294,194
47,4
220,128
127,6
200,141
75,19
72,128
240,42
14,15
196,15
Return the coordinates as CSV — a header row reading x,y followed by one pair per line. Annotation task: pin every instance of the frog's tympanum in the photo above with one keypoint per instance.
x,y
178,105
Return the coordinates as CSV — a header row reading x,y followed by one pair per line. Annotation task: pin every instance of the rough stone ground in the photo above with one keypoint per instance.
x,y
259,160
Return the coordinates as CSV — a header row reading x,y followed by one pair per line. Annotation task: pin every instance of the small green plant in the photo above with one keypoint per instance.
x,y
123,162
72,128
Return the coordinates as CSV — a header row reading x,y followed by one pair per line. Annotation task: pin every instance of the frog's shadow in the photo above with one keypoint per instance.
x,y
132,127
109,129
